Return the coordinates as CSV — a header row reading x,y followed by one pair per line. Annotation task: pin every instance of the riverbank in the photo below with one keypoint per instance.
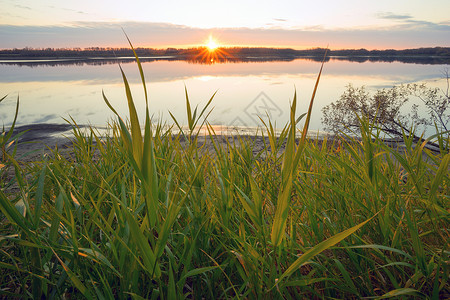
x,y
38,139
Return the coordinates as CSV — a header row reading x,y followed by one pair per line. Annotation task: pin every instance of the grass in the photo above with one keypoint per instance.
x,y
158,215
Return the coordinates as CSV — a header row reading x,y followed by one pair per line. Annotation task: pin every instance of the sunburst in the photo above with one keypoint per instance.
x,y
211,52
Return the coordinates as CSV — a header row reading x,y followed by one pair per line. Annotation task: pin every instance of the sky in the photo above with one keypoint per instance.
x,y
382,24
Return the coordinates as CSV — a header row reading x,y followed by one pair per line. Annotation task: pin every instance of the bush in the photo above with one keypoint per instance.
x,y
387,109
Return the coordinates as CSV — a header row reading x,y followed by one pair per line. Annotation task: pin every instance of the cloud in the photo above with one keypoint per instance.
x,y
392,16
68,9
313,28
22,7
408,33
407,22
280,20
74,10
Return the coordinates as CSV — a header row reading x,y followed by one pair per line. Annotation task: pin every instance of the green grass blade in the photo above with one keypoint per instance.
x,y
136,133
281,213
346,276
197,271
150,173
11,212
54,227
75,280
11,129
440,174
148,257
99,257
203,110
141,71
321,247
306,282
38,198
165,229
402,292
171,289
188,110
249,206
308,115
288,159
126,137
109,104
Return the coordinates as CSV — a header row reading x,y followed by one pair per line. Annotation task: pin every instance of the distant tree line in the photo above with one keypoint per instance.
x,y
441,54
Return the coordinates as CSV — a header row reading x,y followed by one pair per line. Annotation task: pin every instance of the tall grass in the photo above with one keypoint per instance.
x,y
6,137
155,214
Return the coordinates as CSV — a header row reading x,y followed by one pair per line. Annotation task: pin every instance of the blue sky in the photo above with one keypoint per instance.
x,y
297,24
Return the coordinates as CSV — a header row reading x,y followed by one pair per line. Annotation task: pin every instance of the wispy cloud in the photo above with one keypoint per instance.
x,y
67,9
74,10
280,20
407,22
22,7
392,16
313,28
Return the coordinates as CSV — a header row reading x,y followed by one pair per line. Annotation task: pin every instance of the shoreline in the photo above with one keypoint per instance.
x,y
38,139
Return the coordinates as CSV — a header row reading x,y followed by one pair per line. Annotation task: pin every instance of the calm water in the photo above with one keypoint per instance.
x,y
49,93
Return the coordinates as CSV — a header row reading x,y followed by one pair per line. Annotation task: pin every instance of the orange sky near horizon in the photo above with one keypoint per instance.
x,y
350,24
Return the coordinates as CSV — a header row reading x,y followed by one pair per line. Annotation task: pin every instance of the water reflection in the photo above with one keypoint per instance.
x,y
55,90
219,56
204,58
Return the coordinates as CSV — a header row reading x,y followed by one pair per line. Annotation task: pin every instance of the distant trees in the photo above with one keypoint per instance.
x,y
392,110
421,55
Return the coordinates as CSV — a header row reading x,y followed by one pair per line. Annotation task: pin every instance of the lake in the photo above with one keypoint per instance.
x,y
56,89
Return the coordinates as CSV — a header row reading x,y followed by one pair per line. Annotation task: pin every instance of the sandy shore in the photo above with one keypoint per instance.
x,y
35,139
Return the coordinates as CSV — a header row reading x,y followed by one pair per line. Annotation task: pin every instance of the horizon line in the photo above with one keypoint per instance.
x,y
190,47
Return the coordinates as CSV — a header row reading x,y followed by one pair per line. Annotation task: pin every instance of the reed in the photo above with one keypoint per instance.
x,y
155,214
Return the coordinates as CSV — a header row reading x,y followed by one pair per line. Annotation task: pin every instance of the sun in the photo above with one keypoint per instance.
x,y
211,52
212,44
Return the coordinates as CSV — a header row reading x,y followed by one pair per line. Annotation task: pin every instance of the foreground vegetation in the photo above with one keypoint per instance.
x,y
159,215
